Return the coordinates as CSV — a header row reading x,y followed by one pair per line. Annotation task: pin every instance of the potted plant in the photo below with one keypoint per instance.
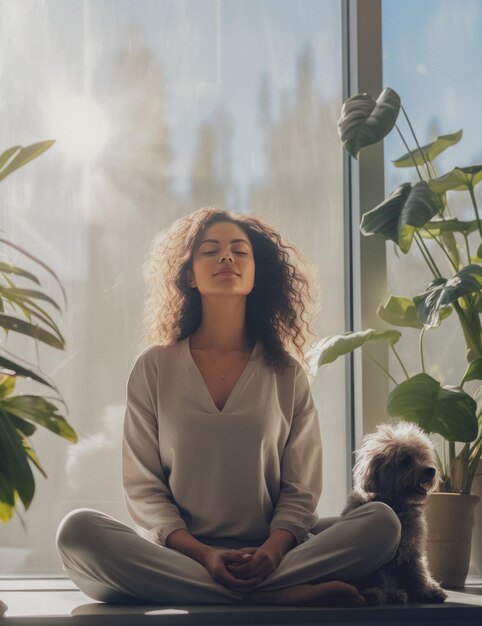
x,y
417,216
23,309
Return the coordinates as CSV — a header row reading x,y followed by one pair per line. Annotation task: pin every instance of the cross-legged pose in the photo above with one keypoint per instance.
x,y
222,449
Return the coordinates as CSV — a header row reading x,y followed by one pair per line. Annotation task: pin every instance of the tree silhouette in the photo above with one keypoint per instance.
x,y
211,177
303,155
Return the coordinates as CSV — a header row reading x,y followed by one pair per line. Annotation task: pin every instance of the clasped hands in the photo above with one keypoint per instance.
x,y
241,570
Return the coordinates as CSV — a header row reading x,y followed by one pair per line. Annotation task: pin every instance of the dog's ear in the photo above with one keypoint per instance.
x,y
365,473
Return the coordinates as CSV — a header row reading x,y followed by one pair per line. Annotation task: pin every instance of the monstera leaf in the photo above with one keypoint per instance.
x,y
448,410
330,348
365,121
406,209
399,311
459,179
437,227
442,292
473,371
430,151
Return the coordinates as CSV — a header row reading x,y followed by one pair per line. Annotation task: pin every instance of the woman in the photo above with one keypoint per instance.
x,y
221,449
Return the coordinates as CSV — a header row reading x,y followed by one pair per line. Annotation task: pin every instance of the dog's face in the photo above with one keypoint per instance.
x,y
396,463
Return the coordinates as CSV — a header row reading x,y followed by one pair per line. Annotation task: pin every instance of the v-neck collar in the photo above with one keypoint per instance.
x,y
194,368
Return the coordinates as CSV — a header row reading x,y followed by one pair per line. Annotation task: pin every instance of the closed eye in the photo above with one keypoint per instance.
x,y
214,252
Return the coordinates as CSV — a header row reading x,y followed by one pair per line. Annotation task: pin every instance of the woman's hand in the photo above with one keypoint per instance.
x,y
260,563
219,562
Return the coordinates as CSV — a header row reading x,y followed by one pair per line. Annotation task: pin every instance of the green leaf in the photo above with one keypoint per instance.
x,y
15,459
459,179
399,311
406,209
330,348
448,410
22,426
7,385
24,371
473,371
23,156
436,227
6,268
430,150
33,456
6,511
8,154
32,330
442,293
365,121
40,411
450,244
7,498
32,309
15,293
36,260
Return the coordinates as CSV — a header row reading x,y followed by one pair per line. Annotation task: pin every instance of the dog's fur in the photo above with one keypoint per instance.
x,y
396,465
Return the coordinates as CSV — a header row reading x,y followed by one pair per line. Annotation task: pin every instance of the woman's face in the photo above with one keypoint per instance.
x,y
224,247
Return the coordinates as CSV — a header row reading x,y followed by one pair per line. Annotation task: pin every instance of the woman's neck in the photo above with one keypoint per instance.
x,y
223,326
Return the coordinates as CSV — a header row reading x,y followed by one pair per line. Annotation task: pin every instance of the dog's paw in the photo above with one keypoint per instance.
x,y
374,596
433,594
397,596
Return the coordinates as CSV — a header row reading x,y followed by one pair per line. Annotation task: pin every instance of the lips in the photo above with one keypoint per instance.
x,y
226,272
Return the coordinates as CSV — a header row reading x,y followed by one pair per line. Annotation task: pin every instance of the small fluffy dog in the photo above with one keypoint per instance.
x,y
396,465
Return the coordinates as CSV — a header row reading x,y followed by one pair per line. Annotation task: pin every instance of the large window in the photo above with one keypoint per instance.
x,y
159,108
431,52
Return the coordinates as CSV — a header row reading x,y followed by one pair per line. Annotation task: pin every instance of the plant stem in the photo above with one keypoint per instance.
x,y
426,161
472,196
427,256
380,366
420,345
399,360
435,173
451,452
473,342
442,248
439,462
467,247
474,462
410,152
444,449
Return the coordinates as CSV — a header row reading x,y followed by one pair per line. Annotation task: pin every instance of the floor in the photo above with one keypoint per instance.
x,y
56,602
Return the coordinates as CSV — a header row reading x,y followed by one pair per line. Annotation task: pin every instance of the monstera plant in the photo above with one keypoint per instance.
x,y
24,309
416,217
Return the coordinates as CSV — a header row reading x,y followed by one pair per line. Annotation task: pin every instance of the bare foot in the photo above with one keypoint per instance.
x,y
334,593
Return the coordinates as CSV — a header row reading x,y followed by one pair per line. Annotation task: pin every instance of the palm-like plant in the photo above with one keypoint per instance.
x,y
22,310
419,214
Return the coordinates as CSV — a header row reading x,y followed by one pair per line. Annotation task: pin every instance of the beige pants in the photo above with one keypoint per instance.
x,y
110,562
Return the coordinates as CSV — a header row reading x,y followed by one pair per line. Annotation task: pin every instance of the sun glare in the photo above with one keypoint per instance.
x,y
78,125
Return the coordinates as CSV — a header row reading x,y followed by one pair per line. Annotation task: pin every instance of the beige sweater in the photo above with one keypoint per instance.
x,y
229,477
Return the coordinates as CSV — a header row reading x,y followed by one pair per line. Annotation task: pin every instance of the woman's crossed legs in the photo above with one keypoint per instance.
x,y
110,562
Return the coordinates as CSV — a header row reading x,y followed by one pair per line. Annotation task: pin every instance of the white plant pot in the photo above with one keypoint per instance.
x,y
450,520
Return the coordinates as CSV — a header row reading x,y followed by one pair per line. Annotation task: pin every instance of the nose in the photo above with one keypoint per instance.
x,y
226,255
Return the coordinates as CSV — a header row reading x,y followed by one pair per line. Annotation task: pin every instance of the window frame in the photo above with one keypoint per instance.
x,y
365,260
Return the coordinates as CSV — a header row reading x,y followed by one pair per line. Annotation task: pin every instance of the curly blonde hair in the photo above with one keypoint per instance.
x,y
277,309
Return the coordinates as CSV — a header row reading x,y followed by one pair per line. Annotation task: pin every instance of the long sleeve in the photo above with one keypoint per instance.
x,y
148,497
301,467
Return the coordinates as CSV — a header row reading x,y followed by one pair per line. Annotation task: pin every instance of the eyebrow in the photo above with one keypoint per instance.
x,y
217,241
